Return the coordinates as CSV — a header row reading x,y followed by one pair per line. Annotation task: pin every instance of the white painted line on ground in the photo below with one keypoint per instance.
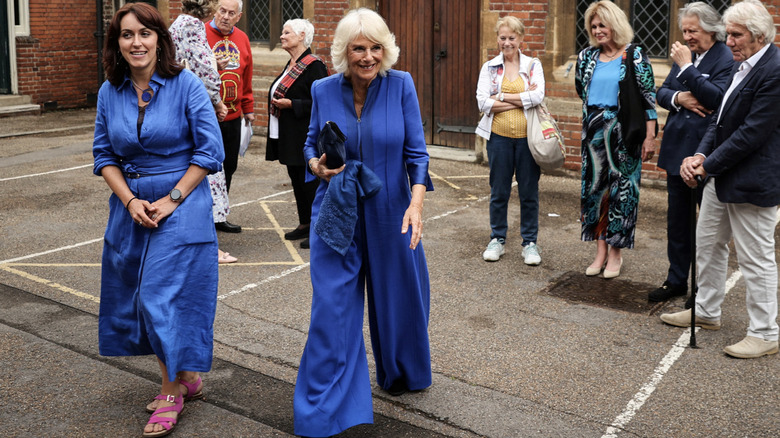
x,y
644,393
45,173
660,371
64,248
305,265
445,214
241,204
267,280
671,357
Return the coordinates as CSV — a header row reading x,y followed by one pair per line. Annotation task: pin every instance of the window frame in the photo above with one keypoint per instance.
x,y
23,28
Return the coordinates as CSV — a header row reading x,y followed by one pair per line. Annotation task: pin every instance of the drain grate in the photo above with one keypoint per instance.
x,y
613,294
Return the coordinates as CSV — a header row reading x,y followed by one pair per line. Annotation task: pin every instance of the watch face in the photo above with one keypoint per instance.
x,y
175,194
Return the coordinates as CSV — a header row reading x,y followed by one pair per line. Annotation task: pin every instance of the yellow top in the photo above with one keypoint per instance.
x,y
511,123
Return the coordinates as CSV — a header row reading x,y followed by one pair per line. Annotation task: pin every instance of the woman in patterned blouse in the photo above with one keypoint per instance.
x,y
193,52
611,168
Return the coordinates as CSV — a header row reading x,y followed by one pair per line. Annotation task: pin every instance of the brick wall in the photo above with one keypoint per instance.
x,y
58,61
533,15
326,16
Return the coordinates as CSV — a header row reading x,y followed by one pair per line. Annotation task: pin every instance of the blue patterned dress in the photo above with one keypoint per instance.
x,y
610,170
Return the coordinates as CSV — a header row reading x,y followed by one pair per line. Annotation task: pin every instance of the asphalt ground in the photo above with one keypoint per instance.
x,y
517,351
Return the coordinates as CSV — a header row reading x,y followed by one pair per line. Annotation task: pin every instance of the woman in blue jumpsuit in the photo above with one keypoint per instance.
x,y
378,111
156,138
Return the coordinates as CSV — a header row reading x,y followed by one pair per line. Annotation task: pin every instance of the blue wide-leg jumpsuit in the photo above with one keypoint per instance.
x,y
333,390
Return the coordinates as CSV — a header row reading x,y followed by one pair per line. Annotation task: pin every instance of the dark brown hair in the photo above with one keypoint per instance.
x,y
198,8
116,65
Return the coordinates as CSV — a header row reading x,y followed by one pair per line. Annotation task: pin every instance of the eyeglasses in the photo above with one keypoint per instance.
x,y
225,12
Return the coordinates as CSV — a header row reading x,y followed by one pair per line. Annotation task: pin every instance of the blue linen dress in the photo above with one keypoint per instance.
x,y
333,390
159,286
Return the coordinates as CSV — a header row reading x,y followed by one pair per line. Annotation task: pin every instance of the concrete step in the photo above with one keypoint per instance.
x,y
14,99
19,110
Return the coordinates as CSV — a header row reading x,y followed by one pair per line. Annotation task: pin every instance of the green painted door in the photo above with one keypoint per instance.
x,y
5,50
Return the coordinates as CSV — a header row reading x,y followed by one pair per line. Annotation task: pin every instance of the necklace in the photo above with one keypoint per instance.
x,y
146,95
610,58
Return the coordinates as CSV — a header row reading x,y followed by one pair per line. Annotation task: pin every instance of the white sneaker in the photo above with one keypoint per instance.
x,y
494,251
531,254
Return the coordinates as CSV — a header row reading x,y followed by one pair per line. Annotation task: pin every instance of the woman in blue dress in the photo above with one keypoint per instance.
x,y
377,110
156,139
611,169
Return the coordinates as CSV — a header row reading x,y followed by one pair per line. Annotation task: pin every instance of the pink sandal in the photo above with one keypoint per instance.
x,y
225,257
192,388
168,423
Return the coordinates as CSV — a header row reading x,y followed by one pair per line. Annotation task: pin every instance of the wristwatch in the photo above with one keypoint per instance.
x,y
175,195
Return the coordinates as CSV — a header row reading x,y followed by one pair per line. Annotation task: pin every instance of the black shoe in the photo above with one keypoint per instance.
x,y
666,291
227,227
397,388
298,233
305,243
689,302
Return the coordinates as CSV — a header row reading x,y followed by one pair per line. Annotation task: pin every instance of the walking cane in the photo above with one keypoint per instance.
x,y
694,286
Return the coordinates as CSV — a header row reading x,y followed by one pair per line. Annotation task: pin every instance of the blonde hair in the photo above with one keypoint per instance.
x,y
614,18
367,23
513,23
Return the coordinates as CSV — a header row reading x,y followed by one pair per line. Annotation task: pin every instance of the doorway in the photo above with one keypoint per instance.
x,y
439,42
5,49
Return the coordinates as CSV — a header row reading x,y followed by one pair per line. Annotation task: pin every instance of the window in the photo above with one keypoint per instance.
x,y
652,21
21,18
259,12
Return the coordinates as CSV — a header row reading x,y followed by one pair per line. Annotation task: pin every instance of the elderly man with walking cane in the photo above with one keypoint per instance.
x,y
740,155
692,92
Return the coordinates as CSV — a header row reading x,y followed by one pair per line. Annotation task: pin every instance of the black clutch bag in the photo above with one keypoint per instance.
x,y
331,143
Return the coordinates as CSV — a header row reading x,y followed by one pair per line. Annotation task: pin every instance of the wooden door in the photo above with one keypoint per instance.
x,y
439,41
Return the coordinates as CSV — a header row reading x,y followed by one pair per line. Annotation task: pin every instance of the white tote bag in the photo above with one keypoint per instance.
x,y
544,138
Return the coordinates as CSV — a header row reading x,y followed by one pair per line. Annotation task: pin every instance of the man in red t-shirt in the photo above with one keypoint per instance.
x,y
234,57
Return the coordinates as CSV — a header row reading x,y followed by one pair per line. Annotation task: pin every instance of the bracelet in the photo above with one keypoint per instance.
x,y
127,206
501,96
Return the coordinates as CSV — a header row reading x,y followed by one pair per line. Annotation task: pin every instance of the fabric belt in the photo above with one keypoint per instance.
x,y
600,108
136,175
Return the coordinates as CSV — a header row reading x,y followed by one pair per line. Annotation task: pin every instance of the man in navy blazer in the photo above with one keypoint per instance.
x,y
740,155
692,92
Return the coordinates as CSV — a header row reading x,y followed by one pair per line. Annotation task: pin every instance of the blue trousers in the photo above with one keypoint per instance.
x,y
333,389
509,157
678,229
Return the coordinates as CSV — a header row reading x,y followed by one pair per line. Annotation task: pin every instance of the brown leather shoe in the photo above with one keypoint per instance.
x,y
683,319
751,347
